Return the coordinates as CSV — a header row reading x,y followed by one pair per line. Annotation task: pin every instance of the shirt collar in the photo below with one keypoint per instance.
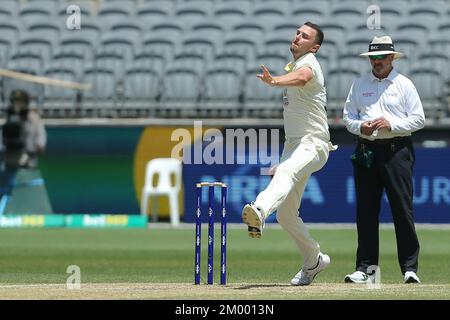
x,y
390,77
290,66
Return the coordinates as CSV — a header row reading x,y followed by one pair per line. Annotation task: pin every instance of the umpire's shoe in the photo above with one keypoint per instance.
x,y
306,276
357,277
254,218
411,277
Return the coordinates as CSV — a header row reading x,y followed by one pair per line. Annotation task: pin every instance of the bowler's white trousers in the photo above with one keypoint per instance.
x,y
300,158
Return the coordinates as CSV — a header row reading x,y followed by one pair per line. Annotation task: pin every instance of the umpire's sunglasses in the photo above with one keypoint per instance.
x,y
378,57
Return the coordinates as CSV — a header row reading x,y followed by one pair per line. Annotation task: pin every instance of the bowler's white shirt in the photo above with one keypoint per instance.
x,y
304,107
395,98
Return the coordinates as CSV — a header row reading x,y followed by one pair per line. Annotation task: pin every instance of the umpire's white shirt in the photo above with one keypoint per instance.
x,y
395,98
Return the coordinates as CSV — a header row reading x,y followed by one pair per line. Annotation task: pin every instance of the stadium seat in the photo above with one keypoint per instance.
x,y
237,2
24,59
419,11
169,29
101,99
338,84
8,10
181,89
148,59
103,81
267,10
130,29
277,42
443,28
141,91
349,10
354,62
313,11
142,84
192,11
404,65
209,28
193,59
67,59
114,12
250,28
223,91
122,44
153,12
259,98
231,13
60,102
200,45
158,1
130,2
284,27
333,30
78,42
10,31
358,43
417,28
5,47
439,43
160,44
331,47
436,61
45,29
34,43
275,62
164,169
110,59
240,44
430,85
229,59
42,10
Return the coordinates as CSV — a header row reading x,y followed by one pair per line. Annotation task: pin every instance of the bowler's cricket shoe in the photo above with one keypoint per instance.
x,y
254,219
306,276
357,277
411,277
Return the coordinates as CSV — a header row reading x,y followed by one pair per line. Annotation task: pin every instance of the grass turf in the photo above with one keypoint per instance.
x,y
166,257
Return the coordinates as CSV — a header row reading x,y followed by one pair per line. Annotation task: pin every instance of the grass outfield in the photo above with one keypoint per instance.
x,y
158,264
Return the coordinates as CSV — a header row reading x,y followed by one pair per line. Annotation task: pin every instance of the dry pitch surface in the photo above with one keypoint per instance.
x,y
186,291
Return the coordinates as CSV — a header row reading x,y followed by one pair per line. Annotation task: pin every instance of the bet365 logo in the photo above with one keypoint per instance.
x,y
73,22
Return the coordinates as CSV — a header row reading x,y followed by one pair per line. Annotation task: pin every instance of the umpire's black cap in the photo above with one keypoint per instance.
x,y
19,95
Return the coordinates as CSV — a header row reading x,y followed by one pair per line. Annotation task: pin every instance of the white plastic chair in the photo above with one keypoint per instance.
x,y
164,168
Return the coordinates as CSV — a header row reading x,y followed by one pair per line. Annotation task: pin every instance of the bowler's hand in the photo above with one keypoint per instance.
x,y
266,76
381,123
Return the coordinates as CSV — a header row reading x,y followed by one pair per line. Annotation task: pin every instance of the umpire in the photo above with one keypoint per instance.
x,y
383,108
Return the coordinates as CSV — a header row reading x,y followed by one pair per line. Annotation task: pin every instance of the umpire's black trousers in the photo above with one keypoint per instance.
x,y
391,171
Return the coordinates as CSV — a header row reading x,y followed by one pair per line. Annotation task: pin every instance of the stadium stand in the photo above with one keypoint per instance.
x,y
164,58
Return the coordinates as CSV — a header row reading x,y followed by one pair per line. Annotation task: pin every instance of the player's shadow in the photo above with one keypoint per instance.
x,y
251,286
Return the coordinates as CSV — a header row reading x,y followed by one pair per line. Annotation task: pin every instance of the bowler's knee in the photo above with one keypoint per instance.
x,y
283,217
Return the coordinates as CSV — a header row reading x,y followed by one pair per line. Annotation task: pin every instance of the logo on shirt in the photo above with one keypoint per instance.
x,y
392,94
285,98
368,94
